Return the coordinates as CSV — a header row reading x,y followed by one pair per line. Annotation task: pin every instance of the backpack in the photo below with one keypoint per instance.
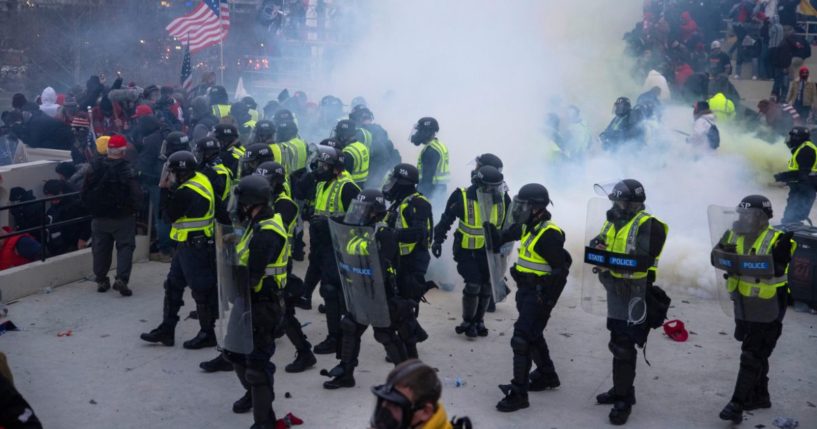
x,y
658,303
714,136
107,192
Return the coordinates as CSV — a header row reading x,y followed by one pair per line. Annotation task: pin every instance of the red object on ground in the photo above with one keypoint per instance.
x,y
288,421
675,329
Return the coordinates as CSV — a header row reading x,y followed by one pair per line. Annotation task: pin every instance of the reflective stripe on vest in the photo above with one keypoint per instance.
x,y
367,137
277,269
221,110
407,248
222,170
297,152
328,201
752,286
442,172
185,225
470,226
530,261
794,166
623,242
360,155
237,151
294,222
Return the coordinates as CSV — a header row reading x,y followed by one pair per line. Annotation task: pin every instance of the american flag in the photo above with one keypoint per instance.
x,y
187,71
205,26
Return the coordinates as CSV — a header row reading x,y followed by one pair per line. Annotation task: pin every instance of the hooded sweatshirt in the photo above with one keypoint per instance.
x,y
699,139
49,104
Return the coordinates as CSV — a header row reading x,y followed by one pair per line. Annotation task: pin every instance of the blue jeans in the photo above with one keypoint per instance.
x,y
798,206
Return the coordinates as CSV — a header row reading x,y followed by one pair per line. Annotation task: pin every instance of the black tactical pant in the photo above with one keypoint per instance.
x,y
534,305
294,290
411,283
350,343
255,370
472,265
193,265
624,337
758,341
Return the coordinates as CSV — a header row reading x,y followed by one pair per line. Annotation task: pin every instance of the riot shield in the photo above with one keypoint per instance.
x,y
361,273
608,286
234,295
497,261
738,274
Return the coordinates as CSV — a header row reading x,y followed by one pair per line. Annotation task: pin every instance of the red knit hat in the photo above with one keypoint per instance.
x,y
675,330
142,110
117,141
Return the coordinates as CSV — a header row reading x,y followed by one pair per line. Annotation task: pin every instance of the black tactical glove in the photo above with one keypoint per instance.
x,y
437,249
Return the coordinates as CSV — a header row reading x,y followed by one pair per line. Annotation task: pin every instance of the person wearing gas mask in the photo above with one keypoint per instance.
x,y
625,127
263,255
432,162
219,101
284,205
207,152
333,193
265,134
364,243
411,216
469,243
188,204
540,274
803,165
630,231
410,399
381,149
231,148
255,154
295,154
357,154
759,302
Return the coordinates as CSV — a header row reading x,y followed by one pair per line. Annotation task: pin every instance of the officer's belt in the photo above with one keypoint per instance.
x,y
618,261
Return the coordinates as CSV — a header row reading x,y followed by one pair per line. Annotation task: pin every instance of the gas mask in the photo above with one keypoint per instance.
x,y
323,171
750,221
623,210
419,137
521,211
393,413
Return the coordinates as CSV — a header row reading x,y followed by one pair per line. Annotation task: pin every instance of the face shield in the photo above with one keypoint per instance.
x,y
389,186
393,410
360,213
750,221
521,211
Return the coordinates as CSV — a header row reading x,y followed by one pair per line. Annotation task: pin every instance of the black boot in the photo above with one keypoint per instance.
x,y
164,333
482,331
516,398
620,412
327,346
540,381
411,351
303,361
608,398
122,287
302,303
102,285
243,404
479,317
216,365
342,376
732,412
201,340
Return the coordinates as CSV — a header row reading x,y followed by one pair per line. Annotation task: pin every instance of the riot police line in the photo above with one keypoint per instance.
x,y
238,217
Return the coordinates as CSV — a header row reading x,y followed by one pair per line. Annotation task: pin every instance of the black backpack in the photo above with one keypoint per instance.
x,y
107,193
658,303
714,136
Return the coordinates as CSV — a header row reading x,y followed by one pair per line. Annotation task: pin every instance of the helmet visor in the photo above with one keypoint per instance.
x,y
389,184
520,210
750,220
359,213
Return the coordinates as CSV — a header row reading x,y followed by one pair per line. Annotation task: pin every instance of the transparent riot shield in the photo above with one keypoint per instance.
x,y
497,261
741,260
361,273
609,287
234,322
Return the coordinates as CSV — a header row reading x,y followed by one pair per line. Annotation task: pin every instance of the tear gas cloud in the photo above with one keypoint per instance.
x,y
490,72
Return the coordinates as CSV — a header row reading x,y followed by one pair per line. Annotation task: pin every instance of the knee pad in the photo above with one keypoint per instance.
x,y
472,289
486,291
328,290
621,352
520,345
348,326
383,336
257,377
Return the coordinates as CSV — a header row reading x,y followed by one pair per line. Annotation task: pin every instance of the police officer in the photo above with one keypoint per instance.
x,y
207,152
219,102
540,275
629,230
263,252
624,128
357,154
411,216
241,113
284,205
295,153
358,115
174,142
469,243
188,204
759,303
255,154
433,160
231,148
265,133
383,156
804,163
333,192
368,209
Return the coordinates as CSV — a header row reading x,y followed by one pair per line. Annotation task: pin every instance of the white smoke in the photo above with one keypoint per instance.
x,y
490,71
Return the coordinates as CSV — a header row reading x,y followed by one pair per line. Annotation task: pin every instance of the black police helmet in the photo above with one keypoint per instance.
x,y
628,190
428,124
250,102
623,106
361,113
329,155
282,115
331,142
272,171
757,202
489,159
534,194
252,191
177,140
406,174
225,131
345,131
259,152
218,95
285,130
797,136
182,162
366,208
487,175
207,148
264,130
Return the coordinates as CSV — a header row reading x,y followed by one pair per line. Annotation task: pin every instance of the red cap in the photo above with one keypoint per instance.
x,y
142,110
675,330
117,141
804,70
